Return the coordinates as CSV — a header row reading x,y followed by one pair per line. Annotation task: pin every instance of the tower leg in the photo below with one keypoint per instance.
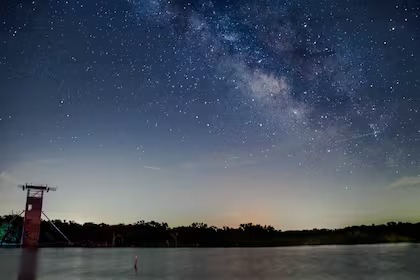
x,y
51,222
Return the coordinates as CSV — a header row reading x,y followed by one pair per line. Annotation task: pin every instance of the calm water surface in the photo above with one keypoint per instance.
x,y
400,261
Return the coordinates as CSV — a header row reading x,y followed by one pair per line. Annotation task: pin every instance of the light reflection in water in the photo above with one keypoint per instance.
x,y
28,264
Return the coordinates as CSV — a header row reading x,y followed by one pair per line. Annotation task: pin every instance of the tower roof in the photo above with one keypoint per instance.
x,y
39,187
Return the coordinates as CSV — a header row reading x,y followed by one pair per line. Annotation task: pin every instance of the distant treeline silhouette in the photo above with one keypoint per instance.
x,y
154,234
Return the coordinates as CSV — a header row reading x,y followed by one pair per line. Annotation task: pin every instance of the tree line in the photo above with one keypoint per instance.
x,y
155,234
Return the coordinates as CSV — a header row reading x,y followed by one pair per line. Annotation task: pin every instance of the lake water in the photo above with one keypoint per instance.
x,y
401,261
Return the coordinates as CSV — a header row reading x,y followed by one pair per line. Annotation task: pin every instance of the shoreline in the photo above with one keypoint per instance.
x,y
159,235
214,247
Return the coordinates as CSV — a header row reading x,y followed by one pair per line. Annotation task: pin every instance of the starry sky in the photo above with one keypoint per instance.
x,y
299,114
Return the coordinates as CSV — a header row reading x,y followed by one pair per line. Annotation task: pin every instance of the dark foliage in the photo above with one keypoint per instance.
x,y
154,234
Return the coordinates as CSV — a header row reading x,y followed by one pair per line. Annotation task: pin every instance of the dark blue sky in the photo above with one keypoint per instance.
x,y
298,114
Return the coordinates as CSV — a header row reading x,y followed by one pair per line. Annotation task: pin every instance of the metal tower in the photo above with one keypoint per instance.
x,y
33,211
32,219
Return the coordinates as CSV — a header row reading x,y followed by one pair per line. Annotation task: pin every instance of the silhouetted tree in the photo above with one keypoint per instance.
x,y
155,234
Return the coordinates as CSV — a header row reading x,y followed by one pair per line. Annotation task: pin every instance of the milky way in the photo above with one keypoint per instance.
x,y
309,72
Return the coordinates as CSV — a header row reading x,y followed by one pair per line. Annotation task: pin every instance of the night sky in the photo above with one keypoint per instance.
x,y
298,114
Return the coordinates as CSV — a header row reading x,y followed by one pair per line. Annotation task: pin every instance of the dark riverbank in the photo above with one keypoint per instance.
x,y
153,234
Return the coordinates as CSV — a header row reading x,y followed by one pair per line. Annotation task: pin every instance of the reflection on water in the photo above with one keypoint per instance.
x,y
28,264
318,262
